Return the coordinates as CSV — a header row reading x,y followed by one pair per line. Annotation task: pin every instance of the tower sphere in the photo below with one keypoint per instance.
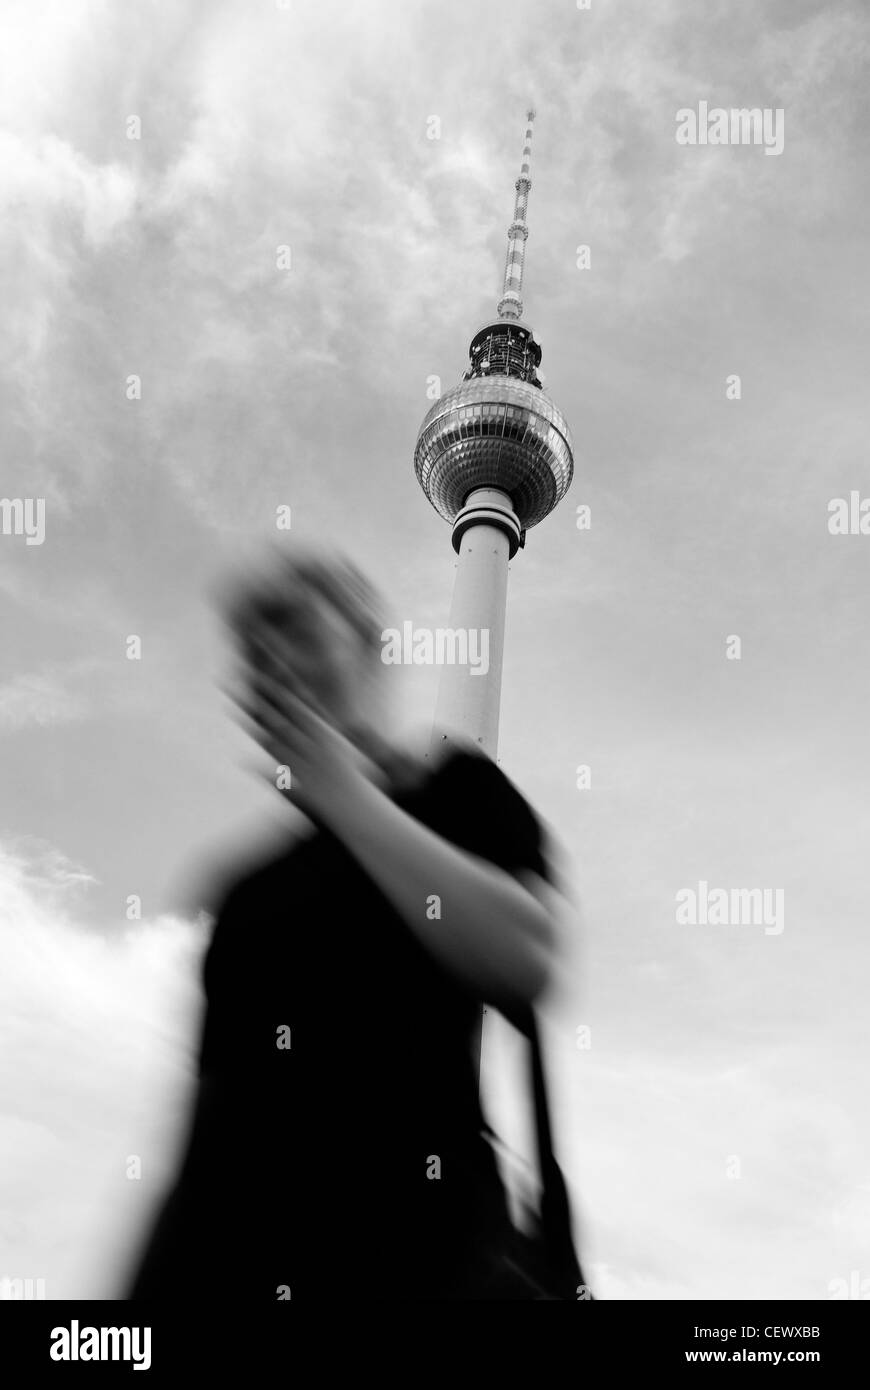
x,y
495,431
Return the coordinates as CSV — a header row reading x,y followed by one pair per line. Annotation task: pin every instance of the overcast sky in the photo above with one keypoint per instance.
x,y
156,257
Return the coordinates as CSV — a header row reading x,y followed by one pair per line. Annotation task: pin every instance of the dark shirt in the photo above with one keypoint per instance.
x,y
314,1166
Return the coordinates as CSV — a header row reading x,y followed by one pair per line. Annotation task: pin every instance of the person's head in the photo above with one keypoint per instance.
x,y
316,614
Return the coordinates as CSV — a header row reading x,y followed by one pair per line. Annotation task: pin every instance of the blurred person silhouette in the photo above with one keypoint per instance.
x,y
337,1142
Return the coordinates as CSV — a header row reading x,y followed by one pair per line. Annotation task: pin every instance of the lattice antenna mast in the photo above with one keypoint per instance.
x,y
510,306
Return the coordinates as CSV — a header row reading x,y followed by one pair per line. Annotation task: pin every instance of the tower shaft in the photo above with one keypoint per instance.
x,y
468,700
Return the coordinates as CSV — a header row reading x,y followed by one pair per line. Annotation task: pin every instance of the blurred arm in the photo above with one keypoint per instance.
x,y
497,930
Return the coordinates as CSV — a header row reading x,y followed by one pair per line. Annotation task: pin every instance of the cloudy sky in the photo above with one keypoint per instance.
x,y
715,1132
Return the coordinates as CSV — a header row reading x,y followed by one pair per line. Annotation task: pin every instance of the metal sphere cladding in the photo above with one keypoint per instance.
x,y
495,431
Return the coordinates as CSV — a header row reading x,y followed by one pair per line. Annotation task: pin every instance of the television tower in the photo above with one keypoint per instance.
x,y
494,457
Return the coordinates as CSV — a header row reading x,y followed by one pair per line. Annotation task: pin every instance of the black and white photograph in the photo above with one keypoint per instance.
x,y
434,576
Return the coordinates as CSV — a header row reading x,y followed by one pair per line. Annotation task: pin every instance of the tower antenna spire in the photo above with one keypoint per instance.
x,y
510,306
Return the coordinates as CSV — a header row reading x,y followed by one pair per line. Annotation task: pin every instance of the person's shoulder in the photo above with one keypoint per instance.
x,y
465,762
487,811
442,769
244,894
244,878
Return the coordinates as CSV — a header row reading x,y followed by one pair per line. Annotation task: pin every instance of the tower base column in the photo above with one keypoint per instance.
x,y
485,536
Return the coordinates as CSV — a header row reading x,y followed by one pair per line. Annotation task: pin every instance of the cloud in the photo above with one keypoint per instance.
x,y
41,698
97,1032
70,692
